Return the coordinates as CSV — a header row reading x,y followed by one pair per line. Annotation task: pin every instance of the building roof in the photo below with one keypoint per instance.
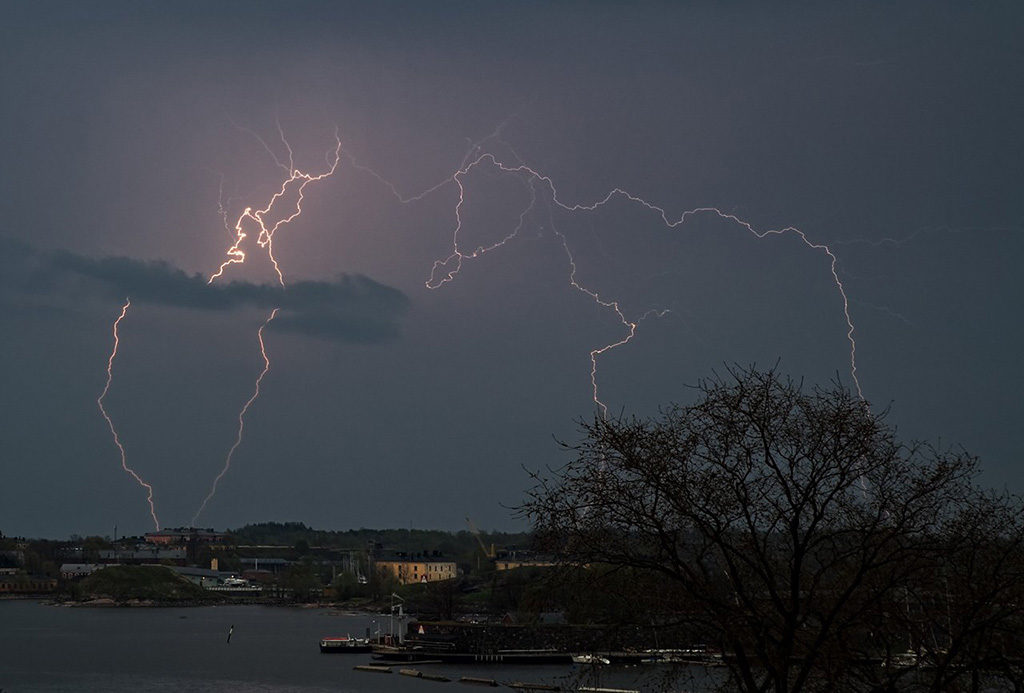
x,y
200,572
155,552
80,567
410,557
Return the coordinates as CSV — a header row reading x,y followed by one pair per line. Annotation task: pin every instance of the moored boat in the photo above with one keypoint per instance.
x,y
345,644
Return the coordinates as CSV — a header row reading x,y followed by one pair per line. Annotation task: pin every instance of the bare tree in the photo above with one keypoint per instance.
x,y
798,534
971,623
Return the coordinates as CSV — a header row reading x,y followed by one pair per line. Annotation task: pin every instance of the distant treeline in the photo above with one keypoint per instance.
x,y
449,543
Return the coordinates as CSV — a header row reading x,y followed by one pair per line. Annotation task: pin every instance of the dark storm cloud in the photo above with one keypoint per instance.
x,y
352,308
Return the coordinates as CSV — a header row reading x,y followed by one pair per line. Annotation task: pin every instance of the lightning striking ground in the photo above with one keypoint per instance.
x,y
241,417
258,221
261,222
110,422
265,239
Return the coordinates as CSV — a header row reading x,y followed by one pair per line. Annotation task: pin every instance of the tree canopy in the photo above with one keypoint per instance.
x,y
790,527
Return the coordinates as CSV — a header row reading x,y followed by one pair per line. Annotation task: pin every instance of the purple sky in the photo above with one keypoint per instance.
x,y
891,134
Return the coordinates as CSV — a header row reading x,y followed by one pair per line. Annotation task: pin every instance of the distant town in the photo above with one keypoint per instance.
x,y
478,596
271,563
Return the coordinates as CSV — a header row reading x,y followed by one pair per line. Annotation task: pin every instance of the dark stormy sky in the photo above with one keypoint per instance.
x,y
889,131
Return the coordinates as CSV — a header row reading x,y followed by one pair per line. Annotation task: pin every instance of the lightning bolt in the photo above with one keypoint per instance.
x,y
110,422
264,222
260,221
241,416
297,180
446,269
667,221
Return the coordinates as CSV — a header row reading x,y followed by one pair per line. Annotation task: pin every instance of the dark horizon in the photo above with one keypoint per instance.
x,y
229,529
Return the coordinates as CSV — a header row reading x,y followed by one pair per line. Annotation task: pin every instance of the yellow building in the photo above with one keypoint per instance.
x,y
417,568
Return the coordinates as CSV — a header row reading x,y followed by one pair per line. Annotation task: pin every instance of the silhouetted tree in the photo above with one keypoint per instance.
x,y
436,600
303,581
794,531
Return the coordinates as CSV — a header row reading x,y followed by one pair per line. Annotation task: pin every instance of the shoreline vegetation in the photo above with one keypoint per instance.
x,y
158,586
282,564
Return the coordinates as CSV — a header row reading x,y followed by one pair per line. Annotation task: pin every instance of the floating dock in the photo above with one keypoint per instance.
x,y
478,681
416,673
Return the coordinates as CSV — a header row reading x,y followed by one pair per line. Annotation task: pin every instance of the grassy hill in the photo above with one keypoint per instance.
x,y
124,582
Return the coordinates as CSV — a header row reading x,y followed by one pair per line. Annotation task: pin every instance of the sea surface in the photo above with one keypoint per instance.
x,y
50,649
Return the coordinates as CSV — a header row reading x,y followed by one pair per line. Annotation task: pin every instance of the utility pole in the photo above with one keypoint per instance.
x,y
401,616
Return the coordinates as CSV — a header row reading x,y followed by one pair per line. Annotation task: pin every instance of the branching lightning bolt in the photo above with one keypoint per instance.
x,y
110,422
446,269
265,239
614,307
241,417
296,182
261,221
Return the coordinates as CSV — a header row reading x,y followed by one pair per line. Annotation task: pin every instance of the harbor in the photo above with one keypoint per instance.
x,y
273,649
439,652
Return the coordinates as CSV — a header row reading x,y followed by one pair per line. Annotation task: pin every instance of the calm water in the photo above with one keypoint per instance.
x,y
273,649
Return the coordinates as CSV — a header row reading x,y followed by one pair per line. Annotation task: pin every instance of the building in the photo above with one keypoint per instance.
x,y
180,536
73,571
24,584
154,553
510,559
411,568
274,566
204,577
